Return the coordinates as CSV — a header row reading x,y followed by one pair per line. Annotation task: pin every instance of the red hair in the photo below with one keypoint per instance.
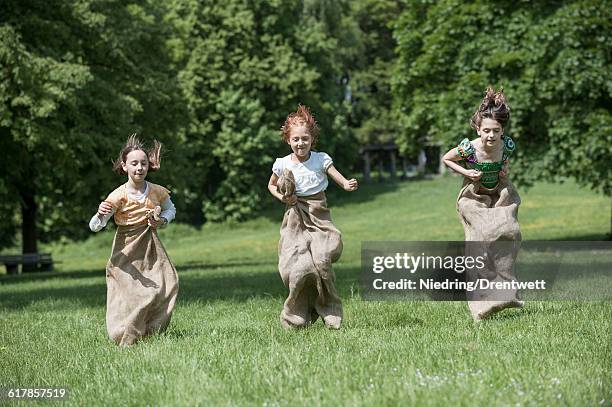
x,y
301,117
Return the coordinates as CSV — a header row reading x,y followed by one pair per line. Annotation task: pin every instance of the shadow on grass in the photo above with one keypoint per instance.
x,y
46,275
74,296
233,282
398,319
533,308
516,314
178,333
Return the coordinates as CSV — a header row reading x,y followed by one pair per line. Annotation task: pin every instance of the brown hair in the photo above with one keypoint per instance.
x,y
133,144
301,117
493,106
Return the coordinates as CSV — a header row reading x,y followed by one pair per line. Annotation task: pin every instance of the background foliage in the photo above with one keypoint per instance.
x,y
553,59
214,81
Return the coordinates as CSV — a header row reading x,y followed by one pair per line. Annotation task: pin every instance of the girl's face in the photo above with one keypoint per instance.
x,y
490,132
300,141
136,165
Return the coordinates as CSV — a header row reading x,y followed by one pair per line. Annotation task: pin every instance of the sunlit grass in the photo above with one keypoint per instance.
x,y
225,345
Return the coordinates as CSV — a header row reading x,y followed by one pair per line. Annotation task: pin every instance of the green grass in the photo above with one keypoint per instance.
x,y
225,345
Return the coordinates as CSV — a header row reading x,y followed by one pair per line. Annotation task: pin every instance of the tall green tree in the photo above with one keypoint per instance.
x,y
75,78
242,67
553,60
370,70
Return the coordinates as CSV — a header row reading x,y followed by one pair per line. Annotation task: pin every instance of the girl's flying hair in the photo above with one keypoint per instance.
x,y
493,106
301,117
133,144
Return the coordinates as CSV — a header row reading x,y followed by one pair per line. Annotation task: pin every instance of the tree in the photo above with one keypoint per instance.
x,y
75,77
553,60
212,81
242,67
370,70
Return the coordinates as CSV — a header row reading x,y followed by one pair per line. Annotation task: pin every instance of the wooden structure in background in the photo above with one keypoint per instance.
x,y
387,155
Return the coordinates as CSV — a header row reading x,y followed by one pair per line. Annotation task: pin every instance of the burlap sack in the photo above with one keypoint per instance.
x,y
309,244
490,223
142,285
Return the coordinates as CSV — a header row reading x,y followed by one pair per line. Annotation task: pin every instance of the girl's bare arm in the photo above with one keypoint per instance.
x,y
346,184
450,160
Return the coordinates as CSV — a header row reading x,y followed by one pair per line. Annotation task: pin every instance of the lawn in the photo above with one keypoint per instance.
x,y
225,345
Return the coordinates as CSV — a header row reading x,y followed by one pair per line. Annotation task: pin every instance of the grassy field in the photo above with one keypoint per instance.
x,y
225,345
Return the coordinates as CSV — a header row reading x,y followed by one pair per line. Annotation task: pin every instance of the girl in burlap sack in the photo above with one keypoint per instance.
x,y
488,203
142,283
309,241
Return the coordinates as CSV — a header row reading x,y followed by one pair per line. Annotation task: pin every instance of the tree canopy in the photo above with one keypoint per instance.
x,y
214,81
553,60
76,77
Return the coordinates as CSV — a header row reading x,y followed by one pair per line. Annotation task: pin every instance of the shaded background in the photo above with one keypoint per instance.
x,y
214,81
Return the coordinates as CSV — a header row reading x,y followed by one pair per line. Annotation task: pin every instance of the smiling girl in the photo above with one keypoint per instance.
x,y
488,202
142,283
309,241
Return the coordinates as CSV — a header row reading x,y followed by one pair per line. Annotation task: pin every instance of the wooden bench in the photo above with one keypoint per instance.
x,y
43,261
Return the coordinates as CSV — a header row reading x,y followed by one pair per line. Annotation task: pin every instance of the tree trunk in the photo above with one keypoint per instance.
x,y
28,226
366,166
393,164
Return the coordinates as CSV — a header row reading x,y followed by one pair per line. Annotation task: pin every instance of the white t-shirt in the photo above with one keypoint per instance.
x,y
310,176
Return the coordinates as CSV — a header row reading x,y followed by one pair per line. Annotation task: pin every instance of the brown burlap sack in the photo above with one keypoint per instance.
x,y
142,285
309,244
490,223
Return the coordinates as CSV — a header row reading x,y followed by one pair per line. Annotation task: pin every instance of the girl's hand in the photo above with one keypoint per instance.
x,y
104,209
350,185
474,175
289,200
154,224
